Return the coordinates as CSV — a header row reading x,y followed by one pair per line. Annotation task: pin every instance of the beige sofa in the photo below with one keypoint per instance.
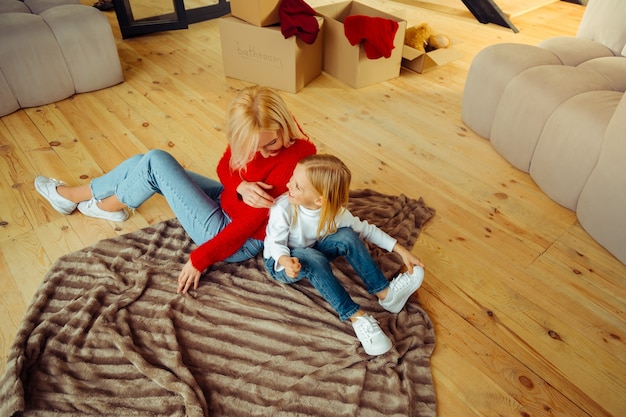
x,y
52,49
558,111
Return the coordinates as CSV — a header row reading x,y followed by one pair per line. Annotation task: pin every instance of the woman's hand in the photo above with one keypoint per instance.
x,y
255,195
188,276
409,259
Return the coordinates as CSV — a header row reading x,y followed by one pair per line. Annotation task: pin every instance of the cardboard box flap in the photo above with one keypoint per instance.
x,y
410,53
444,55
339,11
421,62
257,12
439,56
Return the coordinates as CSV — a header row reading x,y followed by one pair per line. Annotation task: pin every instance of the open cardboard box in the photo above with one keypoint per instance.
x,y
421,62
262,55
349,63
257,12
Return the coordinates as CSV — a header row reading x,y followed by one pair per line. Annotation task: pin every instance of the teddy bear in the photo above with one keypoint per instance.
x,y
423,38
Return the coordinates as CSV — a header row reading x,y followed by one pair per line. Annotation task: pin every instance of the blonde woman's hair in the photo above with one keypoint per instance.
x,y
254,110
330,178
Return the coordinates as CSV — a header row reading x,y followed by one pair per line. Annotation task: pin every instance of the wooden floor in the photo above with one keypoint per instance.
x,y
510,8
529,311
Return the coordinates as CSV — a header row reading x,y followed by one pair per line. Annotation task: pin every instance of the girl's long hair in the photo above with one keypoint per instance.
x,y
330,177
256,109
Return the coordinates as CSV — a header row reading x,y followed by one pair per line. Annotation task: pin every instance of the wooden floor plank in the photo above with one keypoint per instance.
x,y
12,307
500,384
27,263
13,220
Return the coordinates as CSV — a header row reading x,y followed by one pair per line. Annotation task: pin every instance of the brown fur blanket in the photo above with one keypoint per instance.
x,y
106,334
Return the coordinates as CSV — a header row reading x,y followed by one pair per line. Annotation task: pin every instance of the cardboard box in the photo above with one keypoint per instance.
x,y
257,12
262,55
349,63
421,62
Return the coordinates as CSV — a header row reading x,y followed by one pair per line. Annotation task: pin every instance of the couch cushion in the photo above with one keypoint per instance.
x,y
527,103
612,68
604,21
38,6
9,103
92,57
13,6
491,71
574,51
570,144
601,204
33,46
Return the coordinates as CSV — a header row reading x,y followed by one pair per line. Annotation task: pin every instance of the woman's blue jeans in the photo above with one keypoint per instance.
x,y
194,199
315,262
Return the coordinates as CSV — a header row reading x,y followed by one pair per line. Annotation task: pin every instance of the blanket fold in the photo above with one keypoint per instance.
x,y
106,334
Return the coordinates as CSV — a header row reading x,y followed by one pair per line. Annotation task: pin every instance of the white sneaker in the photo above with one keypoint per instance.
x,y
374,341
47,187
401,288
90,208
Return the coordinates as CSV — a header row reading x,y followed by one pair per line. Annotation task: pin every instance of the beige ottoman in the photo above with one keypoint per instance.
x,y
570,144
557,111
529,100
47,57
601,207
91,58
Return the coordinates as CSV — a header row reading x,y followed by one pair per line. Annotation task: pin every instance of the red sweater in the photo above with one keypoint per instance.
x,y
248,221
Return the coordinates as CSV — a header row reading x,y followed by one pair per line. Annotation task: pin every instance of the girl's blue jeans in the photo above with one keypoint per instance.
x,y
316,266
194,199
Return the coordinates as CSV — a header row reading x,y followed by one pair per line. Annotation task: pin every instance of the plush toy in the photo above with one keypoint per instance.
x,y
423,38
438,41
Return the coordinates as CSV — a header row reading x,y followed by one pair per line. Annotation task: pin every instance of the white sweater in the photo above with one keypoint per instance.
x,y
282,235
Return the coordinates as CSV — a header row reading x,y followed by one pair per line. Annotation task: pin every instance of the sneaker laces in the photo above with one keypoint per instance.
x,y
367,326
403,280
89,203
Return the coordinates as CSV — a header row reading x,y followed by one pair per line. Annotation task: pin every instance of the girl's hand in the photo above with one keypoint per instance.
x,y
409,259
255,195
188,276
292,266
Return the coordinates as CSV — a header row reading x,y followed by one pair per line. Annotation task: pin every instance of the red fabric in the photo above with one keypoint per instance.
x,y
376,33
247,221
298,18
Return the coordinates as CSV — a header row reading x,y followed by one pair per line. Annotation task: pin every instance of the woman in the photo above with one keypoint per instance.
x,y
228,219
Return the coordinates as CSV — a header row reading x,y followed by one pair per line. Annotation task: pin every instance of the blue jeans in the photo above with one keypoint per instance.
x,y
194,199
315,262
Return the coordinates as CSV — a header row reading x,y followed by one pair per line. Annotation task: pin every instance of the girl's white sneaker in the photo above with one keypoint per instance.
x,y
401,288
367,330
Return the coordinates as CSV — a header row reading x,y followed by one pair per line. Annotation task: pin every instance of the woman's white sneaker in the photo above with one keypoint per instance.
x,y
90,208
367,330
47,187
401,288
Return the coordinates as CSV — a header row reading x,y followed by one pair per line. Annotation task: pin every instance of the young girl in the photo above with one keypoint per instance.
x,y
309,226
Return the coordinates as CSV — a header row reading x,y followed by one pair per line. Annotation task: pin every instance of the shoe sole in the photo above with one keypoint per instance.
x,y
376,352
96,216
104,218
